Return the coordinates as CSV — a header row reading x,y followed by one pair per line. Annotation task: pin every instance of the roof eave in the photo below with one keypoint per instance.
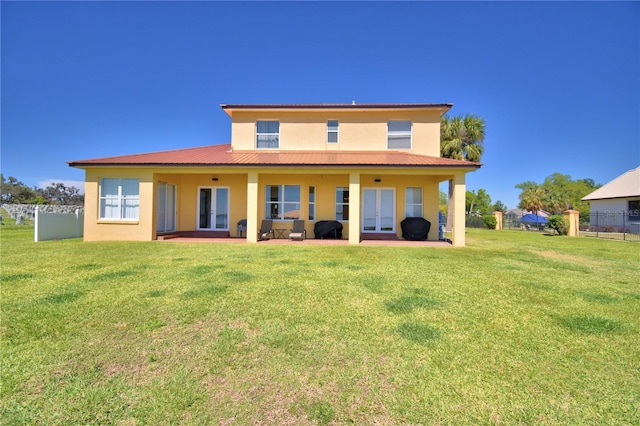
x,y
229,108
471,166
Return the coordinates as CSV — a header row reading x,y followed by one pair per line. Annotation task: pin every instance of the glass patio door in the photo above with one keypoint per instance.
x,y
378,210
166,211
213,209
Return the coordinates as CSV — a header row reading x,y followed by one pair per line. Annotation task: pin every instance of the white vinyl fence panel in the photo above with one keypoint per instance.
x,y
58,226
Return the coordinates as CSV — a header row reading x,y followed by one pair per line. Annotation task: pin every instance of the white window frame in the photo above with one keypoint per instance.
x,y
312,204
333,130
121,203
393,136
340,205
276,209
263,134
407,203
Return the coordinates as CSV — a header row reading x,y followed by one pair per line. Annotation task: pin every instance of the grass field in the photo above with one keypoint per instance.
x,y
516,328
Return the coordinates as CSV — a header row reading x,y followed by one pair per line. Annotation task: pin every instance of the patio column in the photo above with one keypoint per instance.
x,y
459,194
354,208
252,207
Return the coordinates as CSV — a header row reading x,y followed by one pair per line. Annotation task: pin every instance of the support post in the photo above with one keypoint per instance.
x,y
498,216
459,194
573,216
252,207
354,208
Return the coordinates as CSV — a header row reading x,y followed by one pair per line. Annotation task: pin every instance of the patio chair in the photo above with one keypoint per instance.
x,y
266,230
298,232
242,226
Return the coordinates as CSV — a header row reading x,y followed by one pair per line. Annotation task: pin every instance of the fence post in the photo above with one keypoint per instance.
x,y
573,216
498,216
35,225
77,223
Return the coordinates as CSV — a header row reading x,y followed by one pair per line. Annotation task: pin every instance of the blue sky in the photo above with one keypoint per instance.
x,y
557,83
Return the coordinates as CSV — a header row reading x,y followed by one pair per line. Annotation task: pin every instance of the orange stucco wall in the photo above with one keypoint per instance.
x,y
188,182
358,130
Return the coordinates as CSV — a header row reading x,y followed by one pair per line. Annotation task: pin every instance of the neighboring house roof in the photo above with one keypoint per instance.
x,y
223,155
229,108
624,186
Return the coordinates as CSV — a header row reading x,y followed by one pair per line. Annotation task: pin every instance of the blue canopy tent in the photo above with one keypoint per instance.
x,y
534,221
533,218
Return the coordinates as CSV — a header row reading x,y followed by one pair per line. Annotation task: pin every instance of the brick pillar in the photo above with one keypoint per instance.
x,y
498,216
573,216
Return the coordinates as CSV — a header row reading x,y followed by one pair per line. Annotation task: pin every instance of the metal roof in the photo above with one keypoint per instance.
x,y
223,155
625,185
229,108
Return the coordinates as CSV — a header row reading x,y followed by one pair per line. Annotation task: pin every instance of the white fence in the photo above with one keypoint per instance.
x,y
58,226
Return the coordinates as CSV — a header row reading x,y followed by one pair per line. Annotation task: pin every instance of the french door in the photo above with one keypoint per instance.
x,y
213,208
166,211
379,210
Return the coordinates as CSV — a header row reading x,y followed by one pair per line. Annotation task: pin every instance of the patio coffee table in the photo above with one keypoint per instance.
x,y
280,233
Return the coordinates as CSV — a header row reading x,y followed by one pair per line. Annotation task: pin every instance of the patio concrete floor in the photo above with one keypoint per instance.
x,y
311,241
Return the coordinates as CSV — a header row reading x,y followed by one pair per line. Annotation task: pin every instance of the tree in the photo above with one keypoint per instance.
x,y
12,191
443,203
461,138
499,207
532,199
559,192
58,193
478,203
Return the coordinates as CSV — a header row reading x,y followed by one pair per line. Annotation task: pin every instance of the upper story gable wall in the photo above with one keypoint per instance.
x,y
359,130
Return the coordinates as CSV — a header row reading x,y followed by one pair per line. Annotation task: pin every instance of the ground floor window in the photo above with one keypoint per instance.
x,y
282,202
119,199
342,203
413,202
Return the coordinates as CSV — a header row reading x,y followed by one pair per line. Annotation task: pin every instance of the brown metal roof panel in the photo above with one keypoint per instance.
x,y
219,155
197,155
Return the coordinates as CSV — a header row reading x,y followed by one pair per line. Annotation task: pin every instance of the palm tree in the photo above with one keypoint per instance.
x,y
532,199
461,138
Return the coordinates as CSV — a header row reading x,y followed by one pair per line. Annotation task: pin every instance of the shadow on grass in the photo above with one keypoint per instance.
x,y
109,276
408,304
238,277
418,333
590,324
66,297
155,293
597,297
211,290
17,277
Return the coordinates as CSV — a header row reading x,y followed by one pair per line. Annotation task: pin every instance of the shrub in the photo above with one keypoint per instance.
x,y
489,221
559,223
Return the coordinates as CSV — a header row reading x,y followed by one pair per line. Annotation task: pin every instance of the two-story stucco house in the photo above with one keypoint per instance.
x,y
367,166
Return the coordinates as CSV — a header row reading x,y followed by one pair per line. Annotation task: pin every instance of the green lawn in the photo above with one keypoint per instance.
x,y
516,328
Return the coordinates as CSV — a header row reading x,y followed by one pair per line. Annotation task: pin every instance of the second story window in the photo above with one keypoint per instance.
x,y
399,134
332,131
268,134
